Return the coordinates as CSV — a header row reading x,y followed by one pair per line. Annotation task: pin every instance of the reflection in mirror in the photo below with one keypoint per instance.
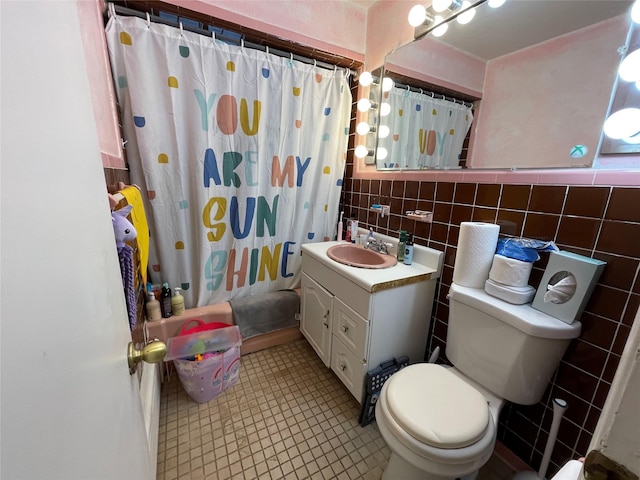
x,y
542,72
622,127
429,129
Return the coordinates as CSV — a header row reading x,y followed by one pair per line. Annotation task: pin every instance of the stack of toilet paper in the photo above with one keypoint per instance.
x,y
508,280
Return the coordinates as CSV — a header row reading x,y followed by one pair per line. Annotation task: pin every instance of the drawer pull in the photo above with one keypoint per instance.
x,y
344,328
343,367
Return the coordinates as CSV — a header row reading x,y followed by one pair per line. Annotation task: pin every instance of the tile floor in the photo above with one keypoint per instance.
x,y
289,417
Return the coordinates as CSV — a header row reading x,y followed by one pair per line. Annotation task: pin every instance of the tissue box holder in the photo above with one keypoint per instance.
x,y
586,272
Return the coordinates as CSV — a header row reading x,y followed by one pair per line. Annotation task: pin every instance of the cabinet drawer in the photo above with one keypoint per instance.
x,y
348,368
351,329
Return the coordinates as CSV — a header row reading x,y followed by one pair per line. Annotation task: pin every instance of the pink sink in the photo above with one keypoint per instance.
x,y
358,256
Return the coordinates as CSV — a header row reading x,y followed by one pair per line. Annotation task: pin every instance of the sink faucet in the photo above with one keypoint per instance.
x,y
377,245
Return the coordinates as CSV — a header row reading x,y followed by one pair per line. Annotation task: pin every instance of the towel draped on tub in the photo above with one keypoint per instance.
x,y
265,312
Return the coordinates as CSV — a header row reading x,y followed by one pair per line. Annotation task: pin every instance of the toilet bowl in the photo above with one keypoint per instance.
x,y
438,423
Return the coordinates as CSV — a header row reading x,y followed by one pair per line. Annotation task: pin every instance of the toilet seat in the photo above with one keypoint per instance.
x,y
436,407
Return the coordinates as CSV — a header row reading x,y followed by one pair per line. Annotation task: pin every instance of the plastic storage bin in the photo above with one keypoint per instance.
x,y
207,362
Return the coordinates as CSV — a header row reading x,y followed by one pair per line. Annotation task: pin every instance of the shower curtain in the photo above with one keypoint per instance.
x,y
240,154
425,132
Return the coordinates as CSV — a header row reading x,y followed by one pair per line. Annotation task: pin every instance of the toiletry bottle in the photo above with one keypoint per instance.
x,y
347,236
340,225
408,250
177,302
165,301
153,307
354,230
401,246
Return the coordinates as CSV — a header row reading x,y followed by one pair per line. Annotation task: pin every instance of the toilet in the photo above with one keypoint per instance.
x,y
441,422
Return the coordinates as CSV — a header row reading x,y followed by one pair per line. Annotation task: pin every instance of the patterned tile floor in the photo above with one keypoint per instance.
x,y
289,417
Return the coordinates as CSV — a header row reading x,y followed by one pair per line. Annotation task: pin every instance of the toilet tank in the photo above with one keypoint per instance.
x,y
512,350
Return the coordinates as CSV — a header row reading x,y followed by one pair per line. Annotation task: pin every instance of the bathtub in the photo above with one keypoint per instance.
x,y
220,312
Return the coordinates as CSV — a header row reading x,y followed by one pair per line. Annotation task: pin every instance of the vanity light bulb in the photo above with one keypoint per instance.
x,y
364,105
365,79
361,151
387,84
629,70
417,15
442,29
384,131
440,5
381,153
363,128
468,15
624,123
496,3
635,12
385,109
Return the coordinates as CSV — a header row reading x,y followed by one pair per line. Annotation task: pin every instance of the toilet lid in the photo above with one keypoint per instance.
x,y
437,407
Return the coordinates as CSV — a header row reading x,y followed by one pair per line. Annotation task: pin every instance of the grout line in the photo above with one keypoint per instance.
x,y
606,207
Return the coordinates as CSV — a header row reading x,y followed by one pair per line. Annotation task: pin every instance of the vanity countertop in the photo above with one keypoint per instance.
x,y
374,280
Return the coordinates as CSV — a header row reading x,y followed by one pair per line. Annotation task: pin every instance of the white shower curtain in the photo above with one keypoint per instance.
x,y
425,132
240,155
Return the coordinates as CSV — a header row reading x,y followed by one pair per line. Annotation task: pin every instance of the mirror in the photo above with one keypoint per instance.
x,y
539,72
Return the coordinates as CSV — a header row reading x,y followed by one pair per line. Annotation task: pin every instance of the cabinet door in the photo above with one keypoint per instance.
x,y
316,307
349,369
351,329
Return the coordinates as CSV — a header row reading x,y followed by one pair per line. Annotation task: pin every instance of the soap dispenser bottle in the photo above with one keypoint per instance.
x,y
153,307
401,245
177,302
408,250
165,301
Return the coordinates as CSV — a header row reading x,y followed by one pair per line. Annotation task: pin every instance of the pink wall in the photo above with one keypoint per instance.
x,y
330,25
342,28
387,30
102,93
438,63
541,101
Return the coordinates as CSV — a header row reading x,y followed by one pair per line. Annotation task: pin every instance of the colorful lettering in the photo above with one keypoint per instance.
x,y
214,267
205,107
244,117
227,114
218,228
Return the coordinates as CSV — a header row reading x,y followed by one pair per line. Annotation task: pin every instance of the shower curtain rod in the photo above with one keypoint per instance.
x,y
439,96
154,18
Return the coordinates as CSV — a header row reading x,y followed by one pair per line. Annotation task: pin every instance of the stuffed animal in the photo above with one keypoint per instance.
x,y
124,231
122,227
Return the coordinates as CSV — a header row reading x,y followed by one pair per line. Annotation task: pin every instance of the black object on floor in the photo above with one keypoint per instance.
x,y
374,380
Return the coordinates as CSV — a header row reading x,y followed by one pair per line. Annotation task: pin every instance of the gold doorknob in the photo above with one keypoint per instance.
x,y
152,352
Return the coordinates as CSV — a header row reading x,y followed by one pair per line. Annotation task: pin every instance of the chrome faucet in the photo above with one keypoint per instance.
x,y
377,245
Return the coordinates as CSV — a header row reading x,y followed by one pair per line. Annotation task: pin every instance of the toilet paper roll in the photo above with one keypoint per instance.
x,y
476,247
509,271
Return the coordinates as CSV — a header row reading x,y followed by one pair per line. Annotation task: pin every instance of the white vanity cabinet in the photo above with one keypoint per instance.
x,y
357,318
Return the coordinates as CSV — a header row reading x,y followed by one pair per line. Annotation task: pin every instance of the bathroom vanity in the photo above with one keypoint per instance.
x,y
356,318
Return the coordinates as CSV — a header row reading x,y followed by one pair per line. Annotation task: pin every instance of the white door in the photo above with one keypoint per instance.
x,y
69,408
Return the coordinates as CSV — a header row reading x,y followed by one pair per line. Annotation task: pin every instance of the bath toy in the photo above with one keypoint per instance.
x,y
124,231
